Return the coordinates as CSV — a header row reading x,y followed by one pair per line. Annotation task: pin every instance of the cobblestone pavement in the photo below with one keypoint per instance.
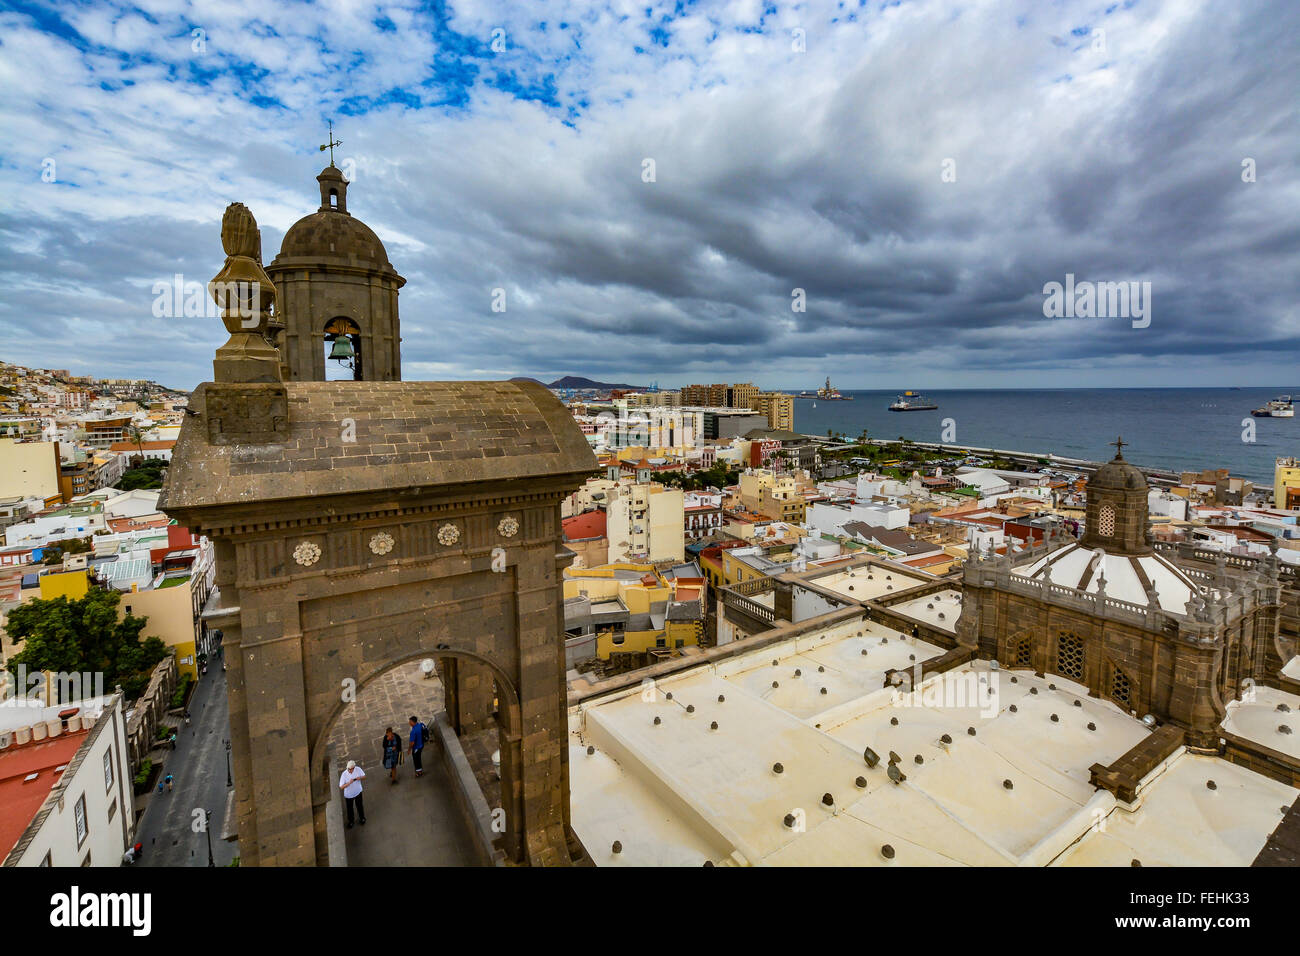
x,y
416,822
386,701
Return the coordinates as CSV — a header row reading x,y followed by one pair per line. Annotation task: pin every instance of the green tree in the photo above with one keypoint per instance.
x,y
147,475
84,635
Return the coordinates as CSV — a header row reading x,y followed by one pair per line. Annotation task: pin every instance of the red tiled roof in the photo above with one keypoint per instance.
x,y
926,561
118,525
21,799
584,527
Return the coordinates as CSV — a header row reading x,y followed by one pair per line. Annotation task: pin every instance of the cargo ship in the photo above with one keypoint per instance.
x,y
912,402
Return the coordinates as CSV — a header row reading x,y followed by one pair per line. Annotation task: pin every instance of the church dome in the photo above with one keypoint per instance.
x,y
1119,475
330,234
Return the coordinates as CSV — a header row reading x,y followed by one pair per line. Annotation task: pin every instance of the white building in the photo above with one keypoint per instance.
x,y
1161,504
65,784
824,518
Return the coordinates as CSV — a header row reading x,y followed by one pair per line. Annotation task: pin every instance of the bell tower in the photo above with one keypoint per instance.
x,y
1116,512
337,294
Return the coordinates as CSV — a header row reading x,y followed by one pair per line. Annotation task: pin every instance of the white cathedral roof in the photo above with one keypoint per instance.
x,y
1075,566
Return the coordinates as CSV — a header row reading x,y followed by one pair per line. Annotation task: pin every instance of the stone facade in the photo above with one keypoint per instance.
x,y
362,525
1182,667
338,560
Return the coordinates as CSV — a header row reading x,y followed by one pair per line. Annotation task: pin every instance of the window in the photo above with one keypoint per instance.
x,y
1121,688
112,809
79,814
1106,521
1069,656
1025,653
45,860
108,768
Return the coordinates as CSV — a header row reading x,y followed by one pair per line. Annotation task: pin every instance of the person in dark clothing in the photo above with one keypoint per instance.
x,y
392,745
417,745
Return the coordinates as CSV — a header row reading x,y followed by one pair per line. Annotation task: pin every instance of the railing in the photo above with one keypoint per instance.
x,y
746,606
753,586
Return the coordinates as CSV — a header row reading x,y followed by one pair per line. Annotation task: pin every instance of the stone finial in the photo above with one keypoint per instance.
x,y
246,295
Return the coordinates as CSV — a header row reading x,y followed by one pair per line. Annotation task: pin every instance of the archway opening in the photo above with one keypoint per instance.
x,y
462,809
344,358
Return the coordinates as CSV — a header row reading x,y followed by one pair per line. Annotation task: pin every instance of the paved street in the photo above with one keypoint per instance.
x,y
199,766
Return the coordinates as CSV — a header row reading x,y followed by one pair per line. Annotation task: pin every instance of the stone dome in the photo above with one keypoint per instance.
x,y
1118,474
333,235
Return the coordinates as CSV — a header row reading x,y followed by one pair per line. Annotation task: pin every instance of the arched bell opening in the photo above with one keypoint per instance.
x,y
343,347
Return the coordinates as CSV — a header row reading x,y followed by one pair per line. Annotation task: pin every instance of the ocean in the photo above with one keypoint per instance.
x,y
1178,429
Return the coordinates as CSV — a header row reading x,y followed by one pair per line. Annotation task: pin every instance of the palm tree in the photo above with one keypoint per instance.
x,y
136,437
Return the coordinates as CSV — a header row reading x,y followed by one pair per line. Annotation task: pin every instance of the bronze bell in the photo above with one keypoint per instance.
x,y
342,349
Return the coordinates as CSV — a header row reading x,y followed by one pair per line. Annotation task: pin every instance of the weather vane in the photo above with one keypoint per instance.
x,y
331,144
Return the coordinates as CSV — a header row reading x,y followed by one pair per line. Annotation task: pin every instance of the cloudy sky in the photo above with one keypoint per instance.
x,y
919,169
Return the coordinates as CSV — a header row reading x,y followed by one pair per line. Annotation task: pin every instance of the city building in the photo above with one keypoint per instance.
x,y
585,535
779,409
645,522
1286,483
632,614
29,469
65,784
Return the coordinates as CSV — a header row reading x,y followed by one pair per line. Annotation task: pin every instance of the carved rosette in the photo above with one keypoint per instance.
x,y
381,543
448,534
508,526
307,553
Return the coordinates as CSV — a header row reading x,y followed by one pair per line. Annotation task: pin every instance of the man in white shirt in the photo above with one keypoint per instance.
x,y
350,784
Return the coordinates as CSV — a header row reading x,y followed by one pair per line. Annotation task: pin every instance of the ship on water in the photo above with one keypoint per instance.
x,y
912,402
1280,407
827,392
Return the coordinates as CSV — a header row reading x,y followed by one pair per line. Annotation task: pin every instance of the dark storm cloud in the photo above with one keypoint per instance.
x,y
1114,155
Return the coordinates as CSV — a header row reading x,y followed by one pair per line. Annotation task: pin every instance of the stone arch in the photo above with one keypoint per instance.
x,y
509,729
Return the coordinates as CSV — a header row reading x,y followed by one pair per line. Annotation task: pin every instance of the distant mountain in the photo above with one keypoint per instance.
x,y
577,381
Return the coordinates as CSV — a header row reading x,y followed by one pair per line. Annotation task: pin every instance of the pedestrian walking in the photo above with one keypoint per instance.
x,y
419,734
168,780
392,745
172,740
187,718
350,784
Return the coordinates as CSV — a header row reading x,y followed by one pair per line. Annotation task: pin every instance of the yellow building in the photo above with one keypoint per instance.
x,y
774,496
1286,483
170,610
743,395
779,409
635,609
72,585
29,469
